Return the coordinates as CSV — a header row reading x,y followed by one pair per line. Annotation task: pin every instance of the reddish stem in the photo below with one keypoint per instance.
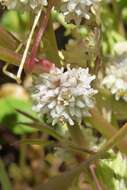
x,y
93,172
39,34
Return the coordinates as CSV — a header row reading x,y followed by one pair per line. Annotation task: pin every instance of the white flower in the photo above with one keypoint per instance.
x,y
64,96
116,79
15,4
78,9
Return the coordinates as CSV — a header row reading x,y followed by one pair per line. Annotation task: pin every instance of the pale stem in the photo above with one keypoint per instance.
x,y
23,60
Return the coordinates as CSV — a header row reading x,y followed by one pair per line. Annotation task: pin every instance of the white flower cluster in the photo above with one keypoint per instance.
x,y
78,9
72,9
116,79
64,96
15,4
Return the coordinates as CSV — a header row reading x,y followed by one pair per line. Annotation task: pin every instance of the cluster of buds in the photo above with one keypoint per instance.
x,y
116,78
71,9
78,9
63,96
17,4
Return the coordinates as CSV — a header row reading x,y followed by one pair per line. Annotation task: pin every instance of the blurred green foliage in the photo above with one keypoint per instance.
x,y
10,118
15,21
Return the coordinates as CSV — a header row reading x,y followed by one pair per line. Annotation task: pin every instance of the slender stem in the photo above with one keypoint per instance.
x,y
77,136
116,138
27,115
92,169
79,140
106,129
36,141
36,124
28,45
62,144
45,129
4,180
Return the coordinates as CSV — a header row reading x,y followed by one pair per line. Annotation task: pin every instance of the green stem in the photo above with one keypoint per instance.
x,y
36,124
36,141
77,136
118,18
106,129
45,129
5,182
115,139
68,146
79,140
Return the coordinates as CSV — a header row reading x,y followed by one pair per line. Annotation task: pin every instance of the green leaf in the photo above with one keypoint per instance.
x,y
118,165
10,118
7,40
9,56
50,45
105,175
113,172
15,21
